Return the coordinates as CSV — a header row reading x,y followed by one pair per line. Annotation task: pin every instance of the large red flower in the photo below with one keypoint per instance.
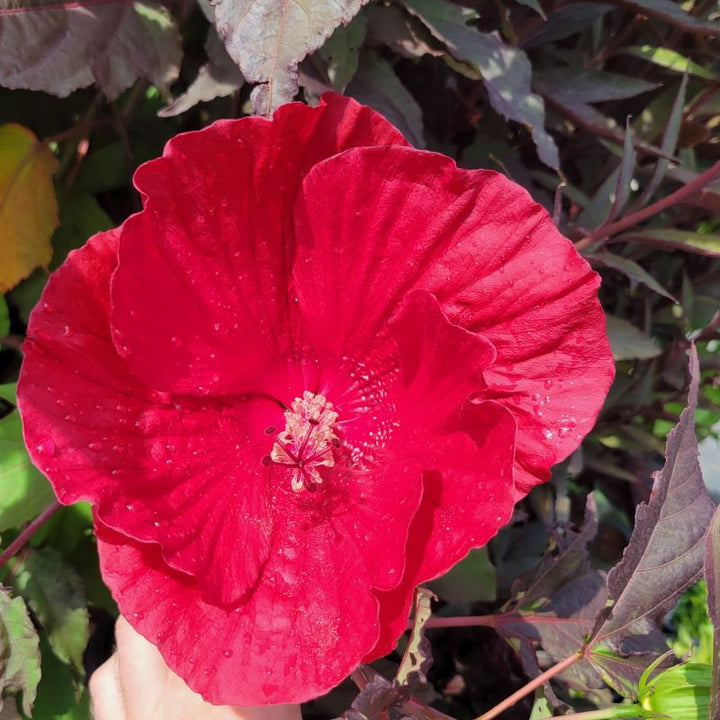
x,y
317,369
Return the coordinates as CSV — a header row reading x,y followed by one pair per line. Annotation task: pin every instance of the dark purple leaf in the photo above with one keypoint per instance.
x,y
218,77
61,49
628,342
377,85
668,145
672,12
665,552
560,626
625,174
568,20
505,70
622,670
405,35
712,578
573,86
268,38
630,269
703,244
567,558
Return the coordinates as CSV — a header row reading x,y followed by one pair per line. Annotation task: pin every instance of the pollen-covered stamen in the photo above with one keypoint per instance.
x,y
308,441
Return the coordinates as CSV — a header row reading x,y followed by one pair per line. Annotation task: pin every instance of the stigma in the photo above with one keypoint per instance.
x,y
307,442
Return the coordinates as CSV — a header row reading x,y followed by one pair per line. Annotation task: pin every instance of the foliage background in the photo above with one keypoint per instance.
x,y
606,112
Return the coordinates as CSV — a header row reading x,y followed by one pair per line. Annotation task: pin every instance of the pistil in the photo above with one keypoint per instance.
x,y
307,442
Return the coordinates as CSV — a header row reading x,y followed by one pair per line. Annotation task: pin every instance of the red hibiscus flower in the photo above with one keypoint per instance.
x,y
317,369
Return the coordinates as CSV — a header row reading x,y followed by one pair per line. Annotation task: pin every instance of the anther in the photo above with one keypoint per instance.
x,y
306,444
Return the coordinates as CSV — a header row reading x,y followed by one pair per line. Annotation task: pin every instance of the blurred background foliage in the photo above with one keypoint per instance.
x,y
606,112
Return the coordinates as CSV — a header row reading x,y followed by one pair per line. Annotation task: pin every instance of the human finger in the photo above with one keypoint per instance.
x,y
105,691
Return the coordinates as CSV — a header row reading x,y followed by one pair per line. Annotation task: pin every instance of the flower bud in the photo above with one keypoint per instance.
x,y
681,692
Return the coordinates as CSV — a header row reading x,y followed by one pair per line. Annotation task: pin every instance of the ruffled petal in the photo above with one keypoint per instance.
x,y
467,497
288,643
375,223
441,363
202,302
161,468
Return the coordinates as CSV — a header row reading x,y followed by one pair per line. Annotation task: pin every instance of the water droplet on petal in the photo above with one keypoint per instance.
x,y
228,653
48,448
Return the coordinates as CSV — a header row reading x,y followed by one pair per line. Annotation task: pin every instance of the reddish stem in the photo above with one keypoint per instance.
x,y
28,531
464,621
535,683
635,218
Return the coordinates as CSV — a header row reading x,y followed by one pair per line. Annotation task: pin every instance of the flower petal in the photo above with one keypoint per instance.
x,y
467,498
162,468
493,259
201,298
288,643
441,363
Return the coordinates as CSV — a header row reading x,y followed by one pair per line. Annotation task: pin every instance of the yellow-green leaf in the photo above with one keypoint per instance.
x,y
28,208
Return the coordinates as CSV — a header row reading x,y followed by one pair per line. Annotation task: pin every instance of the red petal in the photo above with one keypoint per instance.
x,y
306,626
154,463
201,299
389,220
441,363
466,500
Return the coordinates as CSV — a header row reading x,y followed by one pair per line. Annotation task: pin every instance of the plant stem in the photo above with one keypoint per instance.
x,y
28,531
532,685
608,713
463,621
635,218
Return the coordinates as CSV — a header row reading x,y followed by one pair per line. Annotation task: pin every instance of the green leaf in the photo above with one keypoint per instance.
x,y
676,240
669,59
629,343
471,580
20,656
28,208
55,593
4,317
505,70
58,698
24,491
377,86
80,217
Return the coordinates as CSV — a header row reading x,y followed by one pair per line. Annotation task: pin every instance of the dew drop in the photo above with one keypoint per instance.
x,y
228,653
138,615
96,446
48,448
548,383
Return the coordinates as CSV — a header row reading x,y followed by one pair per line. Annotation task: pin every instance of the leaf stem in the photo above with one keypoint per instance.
x,y
635,218
532,685
462,621
608,713
28,531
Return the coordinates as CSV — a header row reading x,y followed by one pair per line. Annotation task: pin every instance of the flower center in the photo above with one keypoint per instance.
x,y
307,442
